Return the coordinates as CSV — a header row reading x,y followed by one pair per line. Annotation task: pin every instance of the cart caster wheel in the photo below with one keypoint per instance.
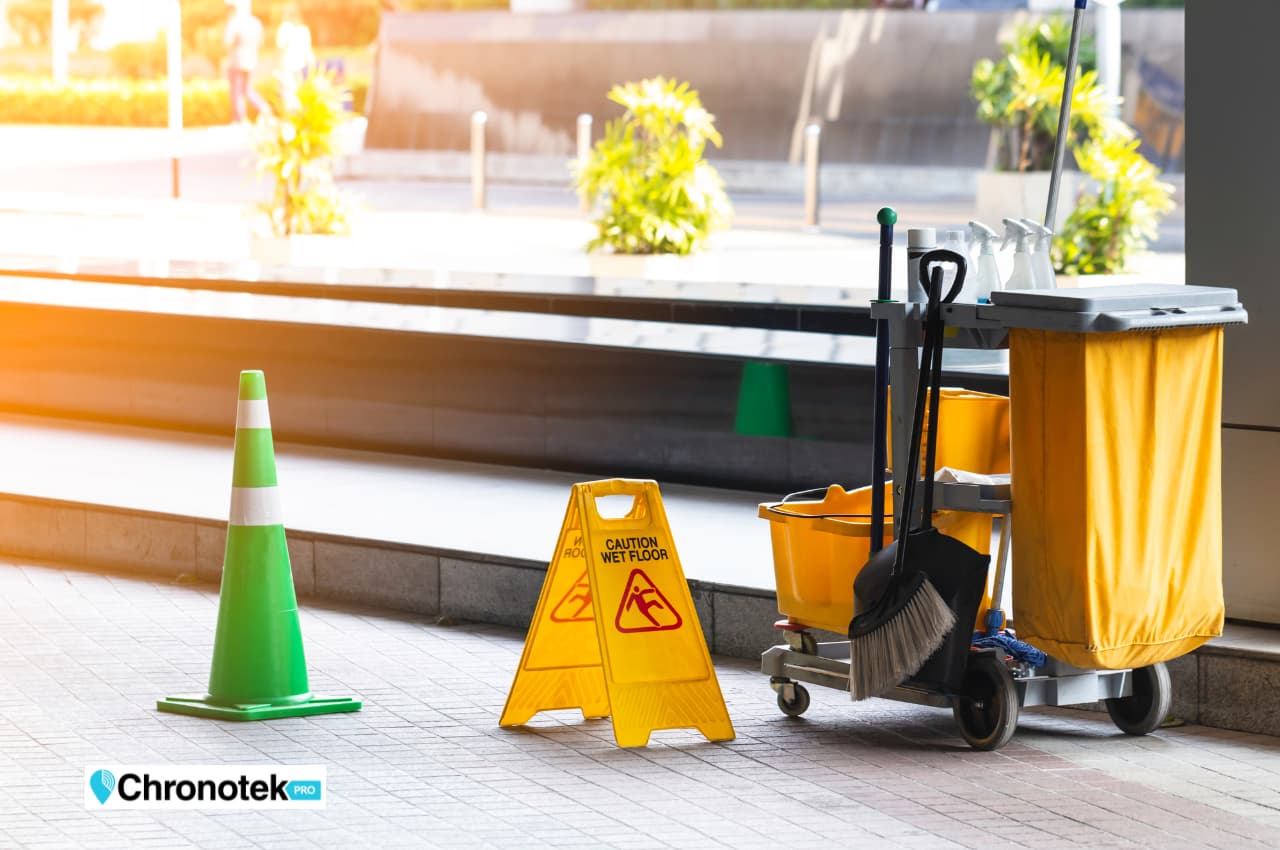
x,y
987,713
798,704
1146,708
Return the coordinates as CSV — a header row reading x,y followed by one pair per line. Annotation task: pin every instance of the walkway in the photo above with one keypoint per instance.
x,y
83,658
84,192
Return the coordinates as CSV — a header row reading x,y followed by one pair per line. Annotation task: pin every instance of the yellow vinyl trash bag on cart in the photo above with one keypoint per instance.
x,y
1117,493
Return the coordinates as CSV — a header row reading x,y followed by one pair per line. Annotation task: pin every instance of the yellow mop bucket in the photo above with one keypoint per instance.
x,y
975,437
820,546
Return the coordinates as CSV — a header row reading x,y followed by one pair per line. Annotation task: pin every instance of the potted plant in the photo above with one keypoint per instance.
x,y
296,142
1019,95
650,188
1116,214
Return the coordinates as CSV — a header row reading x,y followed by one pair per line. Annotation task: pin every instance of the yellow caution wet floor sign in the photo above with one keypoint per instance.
x,y
615,632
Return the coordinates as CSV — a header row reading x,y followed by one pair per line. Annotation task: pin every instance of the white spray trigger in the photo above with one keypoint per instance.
x,y
1016,232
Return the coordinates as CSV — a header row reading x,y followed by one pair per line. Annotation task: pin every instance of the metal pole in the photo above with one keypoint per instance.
x,y
887,218
1064,117
584,151
60,40
174,42
1108,20
812,138
478,121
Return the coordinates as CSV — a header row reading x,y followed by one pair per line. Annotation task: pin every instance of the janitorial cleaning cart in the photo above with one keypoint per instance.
x,y
1108,447
1114,424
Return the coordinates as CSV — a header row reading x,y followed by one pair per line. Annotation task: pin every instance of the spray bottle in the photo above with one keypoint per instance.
x,y
955,242
1023,277
1041,257
920,241
986,278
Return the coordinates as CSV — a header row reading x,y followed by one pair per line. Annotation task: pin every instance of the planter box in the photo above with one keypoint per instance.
x,y
309,250
350,146
1009,194
351,136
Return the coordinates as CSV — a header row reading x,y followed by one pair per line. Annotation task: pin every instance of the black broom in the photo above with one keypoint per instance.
x,y
908,620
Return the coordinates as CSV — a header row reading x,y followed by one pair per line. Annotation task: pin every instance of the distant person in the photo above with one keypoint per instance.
x,y
293,39
243,39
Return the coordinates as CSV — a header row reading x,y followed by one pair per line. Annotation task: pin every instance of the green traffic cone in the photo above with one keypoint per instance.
x,y
259,670
764,401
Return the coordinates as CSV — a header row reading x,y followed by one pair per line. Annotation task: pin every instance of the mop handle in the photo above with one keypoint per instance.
x,y
931,275
936,300
880,413
904,517
1064,117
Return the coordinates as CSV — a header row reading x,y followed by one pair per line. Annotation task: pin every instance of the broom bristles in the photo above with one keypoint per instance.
x,y
888,655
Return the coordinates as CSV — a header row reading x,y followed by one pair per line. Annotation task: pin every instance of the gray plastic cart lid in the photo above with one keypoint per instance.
x,y
1133,296
1142,306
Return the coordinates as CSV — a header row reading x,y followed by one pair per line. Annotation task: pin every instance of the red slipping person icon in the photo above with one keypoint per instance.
x,y
644,608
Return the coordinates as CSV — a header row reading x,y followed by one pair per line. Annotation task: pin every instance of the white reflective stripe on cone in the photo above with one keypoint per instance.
x,y
256,506
253,413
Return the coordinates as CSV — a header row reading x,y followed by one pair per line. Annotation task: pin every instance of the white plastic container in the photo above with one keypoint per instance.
x,y
1024,276
955,241
986,274
1041,256
920,241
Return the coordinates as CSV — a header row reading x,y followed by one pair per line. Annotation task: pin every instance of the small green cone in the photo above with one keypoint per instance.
x,y
764,401
259,670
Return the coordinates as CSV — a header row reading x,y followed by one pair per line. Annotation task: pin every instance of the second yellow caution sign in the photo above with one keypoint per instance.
x,y
615,632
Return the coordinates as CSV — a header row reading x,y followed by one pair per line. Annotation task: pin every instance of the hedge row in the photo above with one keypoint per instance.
x,y
123,103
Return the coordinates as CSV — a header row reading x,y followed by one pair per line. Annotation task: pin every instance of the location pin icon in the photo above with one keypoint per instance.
x,y
102,783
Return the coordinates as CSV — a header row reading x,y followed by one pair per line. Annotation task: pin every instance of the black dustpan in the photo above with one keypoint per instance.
x,y
957,572
893,577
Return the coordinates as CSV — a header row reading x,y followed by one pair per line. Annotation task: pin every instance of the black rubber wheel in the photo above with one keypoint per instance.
x,y
1146,708
987,709
798,705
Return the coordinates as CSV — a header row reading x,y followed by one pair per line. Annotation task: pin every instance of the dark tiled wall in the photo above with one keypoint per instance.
x,y
591,409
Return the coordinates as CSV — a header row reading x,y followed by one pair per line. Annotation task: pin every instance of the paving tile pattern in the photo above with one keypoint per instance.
x,y
83,656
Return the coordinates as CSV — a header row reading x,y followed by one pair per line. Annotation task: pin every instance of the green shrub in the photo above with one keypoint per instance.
x,y
110,102
1119,214
203,22
127,103
1021,94
656,193
140,60
730,4
444,5
354,23
341,22
296,146
32,20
